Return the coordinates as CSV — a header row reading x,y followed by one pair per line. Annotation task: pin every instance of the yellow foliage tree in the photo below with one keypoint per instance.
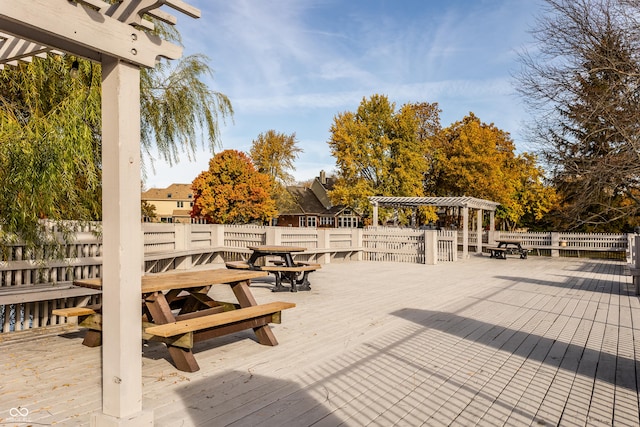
x,y
477,159
273,153
377,153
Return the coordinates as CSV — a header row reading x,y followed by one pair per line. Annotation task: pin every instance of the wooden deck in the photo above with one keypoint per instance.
x,y
478,342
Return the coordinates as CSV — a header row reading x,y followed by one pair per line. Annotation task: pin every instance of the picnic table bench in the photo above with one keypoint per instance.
x,y
507,247
178,312
285,269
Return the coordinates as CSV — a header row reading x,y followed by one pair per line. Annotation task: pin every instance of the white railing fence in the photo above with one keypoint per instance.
x,y
603,245
30,288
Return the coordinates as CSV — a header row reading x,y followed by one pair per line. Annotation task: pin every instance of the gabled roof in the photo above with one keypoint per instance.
x,y
177,191
308,203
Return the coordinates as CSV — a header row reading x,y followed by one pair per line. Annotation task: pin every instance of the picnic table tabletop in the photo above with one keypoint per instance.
x,y
276,249
183,280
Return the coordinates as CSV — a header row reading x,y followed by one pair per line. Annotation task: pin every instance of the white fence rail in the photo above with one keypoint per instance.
x,y
31,288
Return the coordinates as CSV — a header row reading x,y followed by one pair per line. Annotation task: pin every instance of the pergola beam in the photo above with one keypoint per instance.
x,y
83,31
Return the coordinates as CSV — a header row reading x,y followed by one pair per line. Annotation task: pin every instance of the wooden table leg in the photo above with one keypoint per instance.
x,y
161,313
92,338
245,298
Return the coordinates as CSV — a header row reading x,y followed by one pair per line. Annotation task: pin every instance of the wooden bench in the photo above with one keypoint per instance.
x,y
190,328
181,335
41,292
88,317
501,253
496,252
282,272
291,274
213,325
635,273
238,265
73,311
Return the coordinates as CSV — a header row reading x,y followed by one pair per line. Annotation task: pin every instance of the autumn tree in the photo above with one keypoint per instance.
x,y
377,153
581,82
474,159
477,159
532,198
232,191
274,153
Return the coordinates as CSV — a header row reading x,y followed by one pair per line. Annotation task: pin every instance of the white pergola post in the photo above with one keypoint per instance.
x,y
492,227
465,232
479,214
375,214
122,240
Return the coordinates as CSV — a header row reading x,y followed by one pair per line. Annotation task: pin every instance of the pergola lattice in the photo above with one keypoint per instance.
x,y
117,36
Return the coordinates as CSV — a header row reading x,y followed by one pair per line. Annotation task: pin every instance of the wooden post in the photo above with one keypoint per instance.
x,y
324,242
375,214
356,242
465,232
555,243
492,221
182,233
122,258
431,247
479,231
636,277
217,239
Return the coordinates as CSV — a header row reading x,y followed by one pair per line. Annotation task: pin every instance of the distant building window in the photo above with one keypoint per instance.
x,y
180,204
326,221
312,221
190,196
302,221
347,222
168,195
191,204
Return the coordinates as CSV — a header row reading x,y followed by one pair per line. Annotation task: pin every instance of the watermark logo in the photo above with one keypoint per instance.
x,y
18,414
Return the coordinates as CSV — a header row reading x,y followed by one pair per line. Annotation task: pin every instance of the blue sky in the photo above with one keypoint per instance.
x,y
293,65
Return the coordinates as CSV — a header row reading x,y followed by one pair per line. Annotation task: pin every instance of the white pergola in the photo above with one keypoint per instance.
x,y
464,202
116,36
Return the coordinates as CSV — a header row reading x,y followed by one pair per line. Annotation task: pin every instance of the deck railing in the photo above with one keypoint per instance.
x,y
31,288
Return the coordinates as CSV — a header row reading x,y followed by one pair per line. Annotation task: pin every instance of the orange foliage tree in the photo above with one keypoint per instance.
x,y
477,159
232,191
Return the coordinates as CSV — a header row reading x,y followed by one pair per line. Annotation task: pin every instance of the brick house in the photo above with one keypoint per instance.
x,y
314,209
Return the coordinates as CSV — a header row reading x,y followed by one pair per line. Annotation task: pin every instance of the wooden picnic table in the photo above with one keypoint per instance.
x,y
284,252
508,246
177,310
284,269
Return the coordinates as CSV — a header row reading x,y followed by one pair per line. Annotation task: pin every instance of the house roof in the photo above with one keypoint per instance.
x,y
177,192
308,203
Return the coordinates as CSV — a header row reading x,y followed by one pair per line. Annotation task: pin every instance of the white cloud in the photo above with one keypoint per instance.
x,y
292,65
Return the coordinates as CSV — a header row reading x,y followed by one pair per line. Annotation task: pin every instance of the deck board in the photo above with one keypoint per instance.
x,y
477,342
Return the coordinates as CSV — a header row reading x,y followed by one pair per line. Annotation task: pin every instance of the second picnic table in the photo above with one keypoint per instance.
x,y
507,246
284,269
